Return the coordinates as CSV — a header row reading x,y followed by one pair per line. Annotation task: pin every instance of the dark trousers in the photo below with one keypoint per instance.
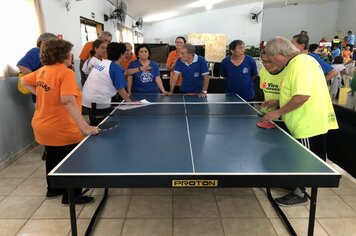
x,y
316,144
56,154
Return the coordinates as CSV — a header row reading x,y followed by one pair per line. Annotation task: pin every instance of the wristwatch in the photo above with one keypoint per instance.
x,y
204,91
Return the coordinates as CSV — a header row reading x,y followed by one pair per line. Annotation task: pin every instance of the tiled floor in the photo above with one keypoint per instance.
x,y
24,210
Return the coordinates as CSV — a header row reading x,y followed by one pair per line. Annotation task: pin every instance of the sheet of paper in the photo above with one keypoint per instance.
x,y
133,105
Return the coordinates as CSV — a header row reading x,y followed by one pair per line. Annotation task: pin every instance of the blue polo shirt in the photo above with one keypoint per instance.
x,y
240,78
31,60
324,66
145,81
351,40
192,74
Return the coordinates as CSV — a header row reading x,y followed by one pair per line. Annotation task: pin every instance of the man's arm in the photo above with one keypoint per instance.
x,y
205,86
294,103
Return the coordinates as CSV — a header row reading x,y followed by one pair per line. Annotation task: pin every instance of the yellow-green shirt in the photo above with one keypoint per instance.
x,y
270,85
304,76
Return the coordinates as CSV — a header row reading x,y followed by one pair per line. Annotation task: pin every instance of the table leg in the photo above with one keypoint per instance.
x,y
312,211
73,217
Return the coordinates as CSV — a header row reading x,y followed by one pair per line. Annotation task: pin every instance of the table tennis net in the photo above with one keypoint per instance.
x,y
177,109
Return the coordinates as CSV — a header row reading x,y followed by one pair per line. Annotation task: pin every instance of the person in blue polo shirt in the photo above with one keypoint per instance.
x,y
146,76
301,42
239,70
351,40
194,70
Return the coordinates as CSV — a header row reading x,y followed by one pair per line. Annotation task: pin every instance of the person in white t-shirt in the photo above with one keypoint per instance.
x,y
98,53
336,81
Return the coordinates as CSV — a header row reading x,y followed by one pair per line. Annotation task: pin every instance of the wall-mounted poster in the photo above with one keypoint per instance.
x,y
215,45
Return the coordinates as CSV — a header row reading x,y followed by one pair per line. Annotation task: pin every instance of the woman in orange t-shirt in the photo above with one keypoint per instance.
x,y
173,57
57,122
346,54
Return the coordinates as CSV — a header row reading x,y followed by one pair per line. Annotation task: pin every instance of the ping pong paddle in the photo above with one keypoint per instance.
x,y
266,125
108,125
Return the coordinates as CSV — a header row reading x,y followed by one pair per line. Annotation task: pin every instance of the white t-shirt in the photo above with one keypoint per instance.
x,y
90,64
339,68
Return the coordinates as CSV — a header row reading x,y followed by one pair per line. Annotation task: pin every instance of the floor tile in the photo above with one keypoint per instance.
x,y
332,206
144,227
152,191
8,185
52,208
150,206
40,172
10,227
102,227
300,226
346,187
195,206
239,206
339,226
16,207
18,171
233,191
247,227
31,187
115,207
350,200
198,226
30,158
290,212
45,228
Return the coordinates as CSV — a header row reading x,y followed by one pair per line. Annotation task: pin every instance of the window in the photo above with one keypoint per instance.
x,y
22,33
89,30
130,36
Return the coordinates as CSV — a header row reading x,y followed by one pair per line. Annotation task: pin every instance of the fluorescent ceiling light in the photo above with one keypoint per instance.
x,y
161,16
208,4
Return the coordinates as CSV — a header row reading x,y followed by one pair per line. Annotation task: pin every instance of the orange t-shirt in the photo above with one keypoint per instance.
x,y
52,124
125,64
85,54
172,59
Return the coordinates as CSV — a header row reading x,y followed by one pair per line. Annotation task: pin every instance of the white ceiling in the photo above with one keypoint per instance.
x,y
146,8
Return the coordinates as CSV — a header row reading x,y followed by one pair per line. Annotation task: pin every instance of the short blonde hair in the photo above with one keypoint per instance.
x,y
280,46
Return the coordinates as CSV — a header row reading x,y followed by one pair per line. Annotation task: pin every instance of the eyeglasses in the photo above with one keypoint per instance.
x,y
179,42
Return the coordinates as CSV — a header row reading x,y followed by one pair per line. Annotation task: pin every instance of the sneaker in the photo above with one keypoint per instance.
x,y
80,200
292,199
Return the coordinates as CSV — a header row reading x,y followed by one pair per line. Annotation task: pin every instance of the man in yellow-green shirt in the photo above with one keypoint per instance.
x,y
304,103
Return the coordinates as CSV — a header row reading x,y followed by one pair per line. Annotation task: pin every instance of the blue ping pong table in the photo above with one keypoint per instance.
x,y
187,141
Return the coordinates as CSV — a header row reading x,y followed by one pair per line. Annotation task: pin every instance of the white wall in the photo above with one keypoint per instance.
x,y
233,22
346,17
318,19
60,21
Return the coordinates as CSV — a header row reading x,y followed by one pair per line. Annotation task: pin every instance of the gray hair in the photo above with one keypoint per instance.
x,y
280,46
190,48
106,33
44,37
